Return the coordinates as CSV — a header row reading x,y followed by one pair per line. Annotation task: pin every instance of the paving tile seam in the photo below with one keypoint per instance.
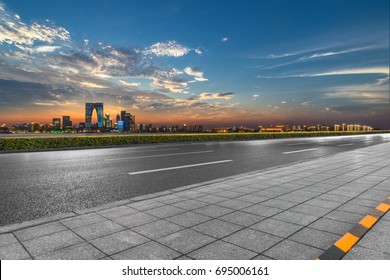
x,y
157,241
84,240
351,238
47,234
24,247
150,240
61,248
131,229
358,245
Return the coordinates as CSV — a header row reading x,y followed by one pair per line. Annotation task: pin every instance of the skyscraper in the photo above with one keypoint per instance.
x,y
57,123
66,122
89,107
128,121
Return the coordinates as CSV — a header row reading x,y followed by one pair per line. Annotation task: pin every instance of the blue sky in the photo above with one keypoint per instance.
x,y
202,62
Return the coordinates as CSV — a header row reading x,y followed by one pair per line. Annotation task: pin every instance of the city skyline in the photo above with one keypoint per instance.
x,y
175,62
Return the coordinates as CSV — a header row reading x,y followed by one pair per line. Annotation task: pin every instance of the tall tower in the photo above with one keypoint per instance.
x,y
89,107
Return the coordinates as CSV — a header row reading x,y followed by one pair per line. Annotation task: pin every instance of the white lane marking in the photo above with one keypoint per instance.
x,y
296,144
342,145
163,155
179,167
155,150
300,151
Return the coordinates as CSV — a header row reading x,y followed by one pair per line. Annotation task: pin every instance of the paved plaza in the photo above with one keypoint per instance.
x,y
292,212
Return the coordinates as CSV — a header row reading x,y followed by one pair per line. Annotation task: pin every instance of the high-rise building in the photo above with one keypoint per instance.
x,y
56,123
107,121
89,107
128,121
66,122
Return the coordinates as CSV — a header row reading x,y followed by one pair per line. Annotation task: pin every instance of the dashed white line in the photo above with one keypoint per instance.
x,y
342,145
163,155
296,144
300,151
179,167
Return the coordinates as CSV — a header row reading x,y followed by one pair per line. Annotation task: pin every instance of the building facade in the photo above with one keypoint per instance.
x,y
89,107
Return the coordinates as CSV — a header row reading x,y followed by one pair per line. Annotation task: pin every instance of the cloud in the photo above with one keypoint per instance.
x,y
44,104
383,81
216,95
225,39
373,93
312,55
284,102
129,84
23,36
287,54
47,49
355,71
198,51
170,85
331,53
170,48
307,103
255,95
92,85
195,72
351,71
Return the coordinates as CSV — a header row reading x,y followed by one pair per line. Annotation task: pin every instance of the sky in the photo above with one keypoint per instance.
x,y
212,63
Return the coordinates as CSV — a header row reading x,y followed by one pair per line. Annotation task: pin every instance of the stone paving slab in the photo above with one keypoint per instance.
x,y
296,211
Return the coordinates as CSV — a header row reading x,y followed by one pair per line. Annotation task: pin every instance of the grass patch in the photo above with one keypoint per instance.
x,y
42,143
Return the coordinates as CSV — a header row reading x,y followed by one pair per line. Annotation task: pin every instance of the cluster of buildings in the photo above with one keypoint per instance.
x,y
125,122
318,127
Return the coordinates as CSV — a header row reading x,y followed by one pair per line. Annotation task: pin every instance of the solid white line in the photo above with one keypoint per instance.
x,y
179,167
342,145
163,155
299,151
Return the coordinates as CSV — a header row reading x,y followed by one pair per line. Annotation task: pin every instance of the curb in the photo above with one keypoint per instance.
x,y
342,246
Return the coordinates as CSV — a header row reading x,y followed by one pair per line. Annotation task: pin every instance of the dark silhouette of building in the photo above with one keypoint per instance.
x,y
66,122
89,107
56,123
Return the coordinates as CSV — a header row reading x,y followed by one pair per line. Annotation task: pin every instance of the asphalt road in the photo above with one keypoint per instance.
x,y
37,184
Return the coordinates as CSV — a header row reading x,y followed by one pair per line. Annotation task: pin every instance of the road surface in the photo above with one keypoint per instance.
x,y
37,184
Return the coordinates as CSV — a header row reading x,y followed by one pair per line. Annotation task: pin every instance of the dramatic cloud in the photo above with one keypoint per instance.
x,y
225,39
225,95
24,36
